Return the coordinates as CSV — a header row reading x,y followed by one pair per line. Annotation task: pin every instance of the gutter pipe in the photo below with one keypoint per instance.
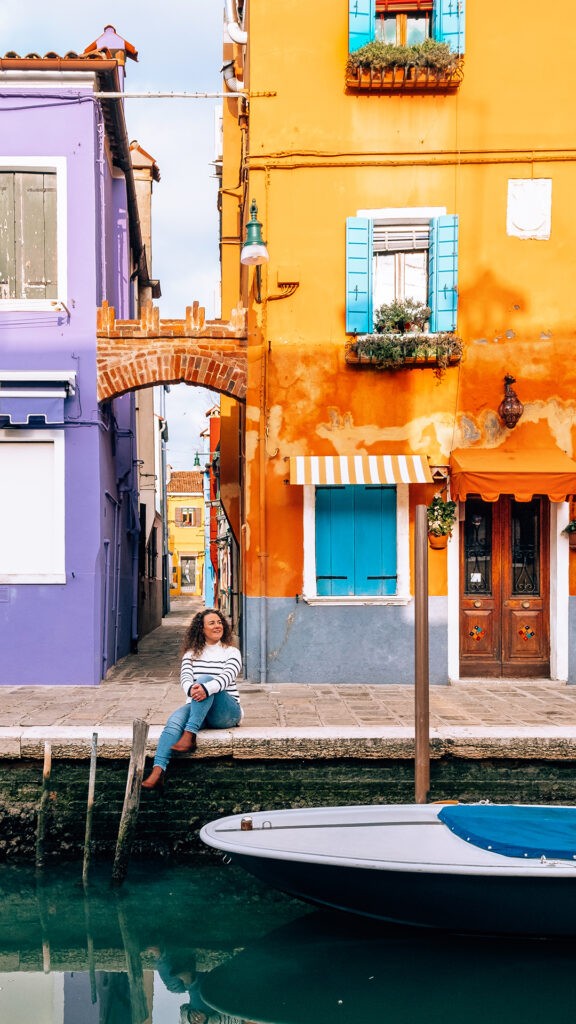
x,y
237,34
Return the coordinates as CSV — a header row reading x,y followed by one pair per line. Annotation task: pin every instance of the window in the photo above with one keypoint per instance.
x,y
32,508
407,22
188,573
399,254
356,544
187,515
355,540
32,232
403,24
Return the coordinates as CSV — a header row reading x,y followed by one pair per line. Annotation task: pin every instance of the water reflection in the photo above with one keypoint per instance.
x,y
209,946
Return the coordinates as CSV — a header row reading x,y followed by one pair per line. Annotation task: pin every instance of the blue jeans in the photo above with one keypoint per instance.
x,y
219,711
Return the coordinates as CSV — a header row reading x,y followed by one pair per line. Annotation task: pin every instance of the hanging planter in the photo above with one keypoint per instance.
x,y
441,518
438,543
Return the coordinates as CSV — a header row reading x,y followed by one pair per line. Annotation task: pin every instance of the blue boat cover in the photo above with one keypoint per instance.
x,y
514,830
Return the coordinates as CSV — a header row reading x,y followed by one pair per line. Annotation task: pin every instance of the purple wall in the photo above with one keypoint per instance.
x,y
70,633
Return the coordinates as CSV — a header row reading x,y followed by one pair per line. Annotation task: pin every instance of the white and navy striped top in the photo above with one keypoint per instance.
x,y
223,663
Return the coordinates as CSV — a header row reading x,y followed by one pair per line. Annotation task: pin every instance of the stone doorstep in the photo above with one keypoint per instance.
x,y
308,743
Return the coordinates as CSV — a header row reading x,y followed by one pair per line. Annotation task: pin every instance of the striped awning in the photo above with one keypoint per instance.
x,y
360,469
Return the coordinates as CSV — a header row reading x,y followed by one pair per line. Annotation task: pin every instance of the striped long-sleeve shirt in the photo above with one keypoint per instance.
x,y
222,663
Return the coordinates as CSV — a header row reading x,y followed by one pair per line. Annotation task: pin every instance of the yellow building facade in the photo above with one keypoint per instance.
x,y
372,188
186,534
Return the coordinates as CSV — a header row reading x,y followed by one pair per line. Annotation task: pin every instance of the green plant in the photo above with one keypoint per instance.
x,y
441,516
378,56
570,527
401,315
394,350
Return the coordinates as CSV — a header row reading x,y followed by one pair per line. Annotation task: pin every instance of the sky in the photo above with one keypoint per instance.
x,y
179,46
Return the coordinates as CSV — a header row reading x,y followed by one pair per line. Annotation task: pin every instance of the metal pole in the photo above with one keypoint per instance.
x,y
421,659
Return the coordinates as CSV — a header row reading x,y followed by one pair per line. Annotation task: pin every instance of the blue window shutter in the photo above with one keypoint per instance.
x,y
443,273
361,23
359,252
334,541
375,541
355,541
448,21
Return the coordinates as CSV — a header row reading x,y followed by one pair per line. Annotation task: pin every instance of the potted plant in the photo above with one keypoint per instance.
x,y
401,339
441,518
570,531
429,64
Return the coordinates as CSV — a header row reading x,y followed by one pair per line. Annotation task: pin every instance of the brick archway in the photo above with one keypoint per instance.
x,y
134,354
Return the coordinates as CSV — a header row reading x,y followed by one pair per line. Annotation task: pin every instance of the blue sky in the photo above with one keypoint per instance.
x,y
179,47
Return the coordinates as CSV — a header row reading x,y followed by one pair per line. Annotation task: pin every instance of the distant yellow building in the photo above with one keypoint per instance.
x,y
185,497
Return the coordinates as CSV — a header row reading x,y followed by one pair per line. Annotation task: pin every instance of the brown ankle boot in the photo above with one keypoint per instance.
x,y
186,744
155,780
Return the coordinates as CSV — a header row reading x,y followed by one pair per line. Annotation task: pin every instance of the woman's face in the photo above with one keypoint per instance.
x,y
213,628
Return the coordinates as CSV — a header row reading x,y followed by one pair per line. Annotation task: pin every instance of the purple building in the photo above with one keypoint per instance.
x,y
70,238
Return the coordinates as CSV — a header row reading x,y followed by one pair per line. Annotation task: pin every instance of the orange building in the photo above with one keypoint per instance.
x,y
391,173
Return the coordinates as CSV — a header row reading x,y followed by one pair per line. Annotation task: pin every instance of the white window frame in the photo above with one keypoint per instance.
x,y
402,595
57,165
58,550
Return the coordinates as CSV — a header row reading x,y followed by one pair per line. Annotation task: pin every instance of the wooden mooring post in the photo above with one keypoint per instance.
x,y
131,801
89,810
421,665
41,825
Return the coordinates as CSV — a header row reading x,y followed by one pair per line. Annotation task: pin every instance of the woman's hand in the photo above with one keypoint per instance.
x,y
197,692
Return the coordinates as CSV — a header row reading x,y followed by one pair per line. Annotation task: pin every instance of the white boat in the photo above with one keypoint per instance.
x,y
491,868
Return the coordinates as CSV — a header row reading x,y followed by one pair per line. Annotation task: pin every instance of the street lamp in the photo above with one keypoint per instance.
x,y
254,252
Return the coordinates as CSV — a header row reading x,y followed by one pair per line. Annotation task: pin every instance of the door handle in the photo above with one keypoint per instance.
x,y
525,604
477,604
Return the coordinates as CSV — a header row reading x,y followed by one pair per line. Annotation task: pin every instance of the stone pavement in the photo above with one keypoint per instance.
x,y
523,718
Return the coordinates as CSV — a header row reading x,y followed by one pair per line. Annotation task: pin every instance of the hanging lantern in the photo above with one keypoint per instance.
x,y
510,408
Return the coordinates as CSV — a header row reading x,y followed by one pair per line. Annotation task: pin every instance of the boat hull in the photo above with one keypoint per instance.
x,y
400,864
473,904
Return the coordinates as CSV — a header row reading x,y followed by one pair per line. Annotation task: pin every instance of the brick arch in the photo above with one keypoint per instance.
x,y
133,354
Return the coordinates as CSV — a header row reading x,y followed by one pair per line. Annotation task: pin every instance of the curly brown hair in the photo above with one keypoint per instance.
x,y
194,639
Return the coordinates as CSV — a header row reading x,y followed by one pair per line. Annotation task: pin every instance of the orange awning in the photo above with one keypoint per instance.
x,y
490,473
360,469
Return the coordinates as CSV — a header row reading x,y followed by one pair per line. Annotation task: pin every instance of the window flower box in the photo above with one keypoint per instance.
x,y
395,351
384,67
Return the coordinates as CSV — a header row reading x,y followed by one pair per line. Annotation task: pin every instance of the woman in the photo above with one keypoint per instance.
x,y
210,668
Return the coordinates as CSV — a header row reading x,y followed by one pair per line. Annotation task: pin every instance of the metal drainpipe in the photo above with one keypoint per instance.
x,y
115,592
263,553
104,668
101,163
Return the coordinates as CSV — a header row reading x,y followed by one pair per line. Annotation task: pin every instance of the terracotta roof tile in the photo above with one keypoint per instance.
x,y
185,482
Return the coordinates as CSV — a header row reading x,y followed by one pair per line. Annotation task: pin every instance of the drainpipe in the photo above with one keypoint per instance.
x,y
237,34
263,553
106,608
116,554
230,81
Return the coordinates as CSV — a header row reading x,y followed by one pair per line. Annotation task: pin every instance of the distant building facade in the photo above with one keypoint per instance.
x,y
186,512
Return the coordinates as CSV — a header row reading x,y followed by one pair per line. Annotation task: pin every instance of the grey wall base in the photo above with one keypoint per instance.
x,y
367,644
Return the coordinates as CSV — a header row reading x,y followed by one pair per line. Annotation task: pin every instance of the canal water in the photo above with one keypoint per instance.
x,y
209,945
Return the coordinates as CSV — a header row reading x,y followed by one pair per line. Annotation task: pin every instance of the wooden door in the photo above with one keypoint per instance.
x,y
504,595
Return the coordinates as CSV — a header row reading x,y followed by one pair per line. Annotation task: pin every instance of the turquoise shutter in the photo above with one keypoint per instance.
x,y
448,20
443,273
375,541
361,23
355,541
359,251
334,541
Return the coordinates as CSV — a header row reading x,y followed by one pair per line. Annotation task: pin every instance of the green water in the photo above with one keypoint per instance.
x,y
208,943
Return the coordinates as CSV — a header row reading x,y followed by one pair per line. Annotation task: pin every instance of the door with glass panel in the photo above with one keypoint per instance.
x,y
504,598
